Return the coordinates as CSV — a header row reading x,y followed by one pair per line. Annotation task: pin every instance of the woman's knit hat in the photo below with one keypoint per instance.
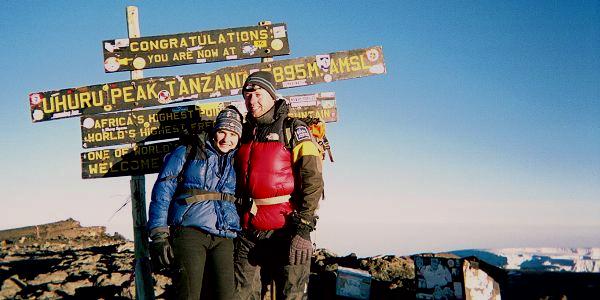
x,y
229,119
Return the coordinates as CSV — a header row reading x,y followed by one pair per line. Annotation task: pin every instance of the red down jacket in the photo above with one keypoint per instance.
x,y
267,169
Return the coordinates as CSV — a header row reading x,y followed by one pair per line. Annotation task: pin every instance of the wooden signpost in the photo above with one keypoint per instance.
x,y
112,115
144,287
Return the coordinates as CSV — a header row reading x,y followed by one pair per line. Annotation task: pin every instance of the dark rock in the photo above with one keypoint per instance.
x,y
10,287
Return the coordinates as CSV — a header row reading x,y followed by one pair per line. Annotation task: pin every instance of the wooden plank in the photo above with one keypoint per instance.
x,y
170,122
195,47
153,91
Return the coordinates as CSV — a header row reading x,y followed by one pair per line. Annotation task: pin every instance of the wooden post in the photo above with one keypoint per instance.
x,y
270,58
144,288
272,288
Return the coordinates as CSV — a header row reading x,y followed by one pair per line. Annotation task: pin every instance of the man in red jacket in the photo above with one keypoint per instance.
x,y
280,180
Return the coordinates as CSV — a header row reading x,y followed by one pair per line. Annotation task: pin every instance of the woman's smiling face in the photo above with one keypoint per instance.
x,y
226,140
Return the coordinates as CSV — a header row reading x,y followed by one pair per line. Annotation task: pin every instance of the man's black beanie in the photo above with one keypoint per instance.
x,y
263,79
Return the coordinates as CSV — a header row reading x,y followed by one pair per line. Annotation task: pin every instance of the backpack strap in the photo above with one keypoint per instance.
x,y
287,131
201,195
194,148
190,153
327,148
192,143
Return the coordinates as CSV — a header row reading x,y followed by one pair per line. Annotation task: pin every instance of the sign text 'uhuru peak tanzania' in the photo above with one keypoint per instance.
x,y
153,91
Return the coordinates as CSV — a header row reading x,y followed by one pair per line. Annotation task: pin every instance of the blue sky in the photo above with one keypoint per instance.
x,y
484,133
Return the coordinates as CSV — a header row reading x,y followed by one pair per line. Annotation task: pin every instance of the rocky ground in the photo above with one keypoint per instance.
x,y
63,260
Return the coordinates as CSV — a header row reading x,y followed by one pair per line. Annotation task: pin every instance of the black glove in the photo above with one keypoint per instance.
x,y
161,252
300,250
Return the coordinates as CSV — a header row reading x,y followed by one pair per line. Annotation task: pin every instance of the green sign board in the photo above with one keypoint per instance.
x,y
130,54
170,122
125,160
145,159
153,91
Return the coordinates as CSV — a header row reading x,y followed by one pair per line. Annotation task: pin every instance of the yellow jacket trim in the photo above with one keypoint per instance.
x,y
305,148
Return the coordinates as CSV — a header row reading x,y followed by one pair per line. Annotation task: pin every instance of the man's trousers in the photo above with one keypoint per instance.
x,y
262,257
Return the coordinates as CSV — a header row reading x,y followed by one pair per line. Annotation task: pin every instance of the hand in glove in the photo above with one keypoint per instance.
x,y
300,250
161,252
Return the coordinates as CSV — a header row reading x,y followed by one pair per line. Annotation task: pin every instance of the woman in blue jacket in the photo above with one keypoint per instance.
x,y
193,209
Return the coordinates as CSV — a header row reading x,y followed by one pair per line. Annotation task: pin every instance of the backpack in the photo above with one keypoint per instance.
x,y
317,129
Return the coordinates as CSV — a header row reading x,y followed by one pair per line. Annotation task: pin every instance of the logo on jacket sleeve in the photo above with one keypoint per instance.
x,y
302,133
